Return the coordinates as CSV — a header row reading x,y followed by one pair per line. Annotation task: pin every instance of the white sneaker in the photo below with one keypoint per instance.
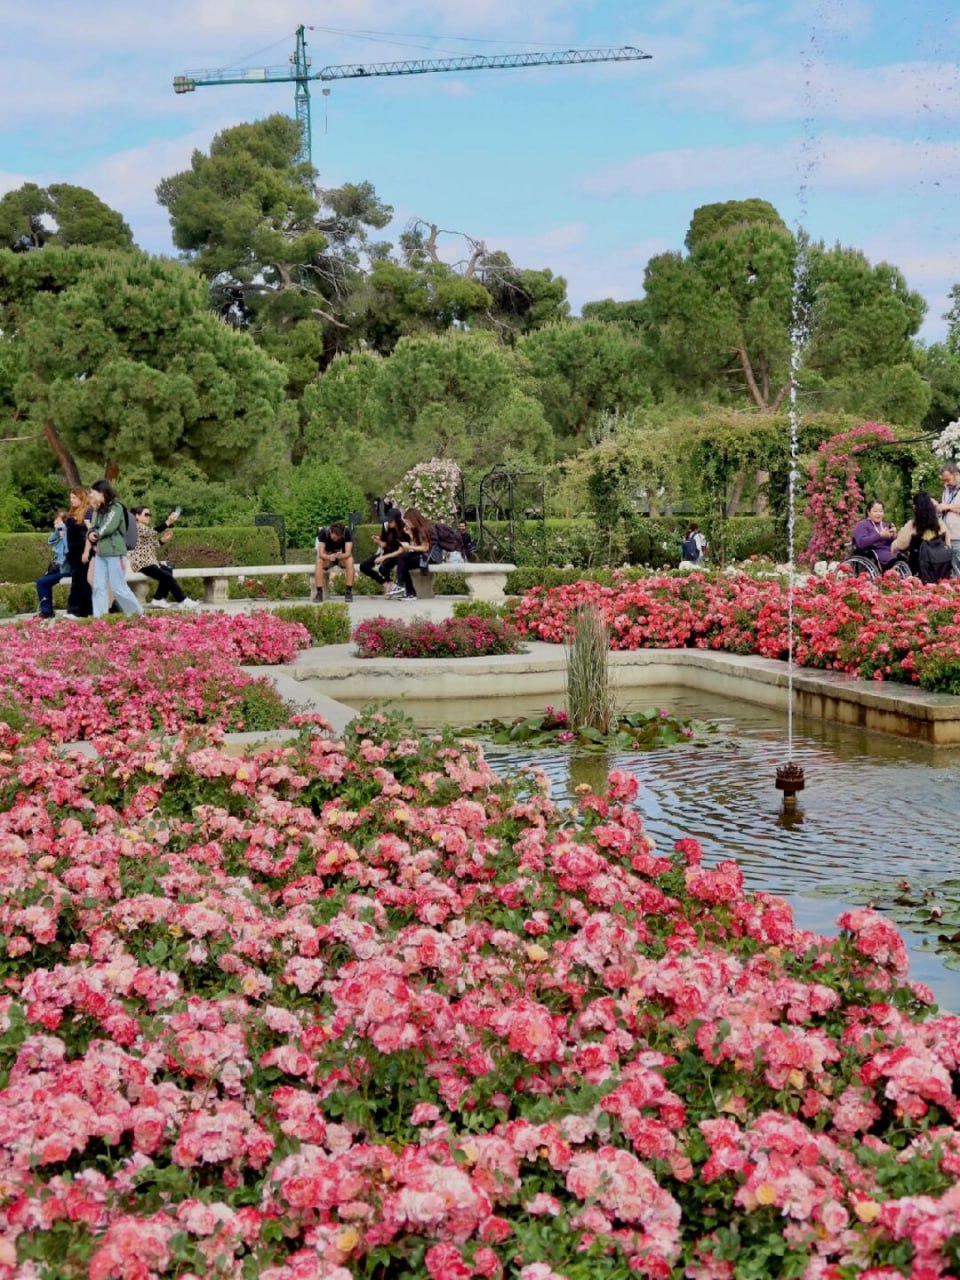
x,y
159,604
189,603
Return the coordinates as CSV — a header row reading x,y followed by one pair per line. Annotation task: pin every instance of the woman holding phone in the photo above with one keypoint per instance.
x,y
145,559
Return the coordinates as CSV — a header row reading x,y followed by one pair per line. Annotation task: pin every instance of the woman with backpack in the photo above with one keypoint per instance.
x,y
107,543
422,535
926,541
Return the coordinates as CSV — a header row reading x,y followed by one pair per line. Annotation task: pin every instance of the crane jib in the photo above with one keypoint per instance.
x,y
298,70
413,67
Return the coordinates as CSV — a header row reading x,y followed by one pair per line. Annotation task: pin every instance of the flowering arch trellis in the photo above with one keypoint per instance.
x,y
835,497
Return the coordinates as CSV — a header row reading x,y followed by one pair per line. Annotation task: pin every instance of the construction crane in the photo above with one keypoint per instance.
x,y
300,73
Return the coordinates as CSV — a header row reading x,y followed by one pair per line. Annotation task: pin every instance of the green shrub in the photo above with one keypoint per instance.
x,y
940,674
476,609
522,580
260,708
327,623
21,597
312,494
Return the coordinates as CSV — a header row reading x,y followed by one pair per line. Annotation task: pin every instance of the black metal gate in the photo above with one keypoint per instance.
x,y
509,502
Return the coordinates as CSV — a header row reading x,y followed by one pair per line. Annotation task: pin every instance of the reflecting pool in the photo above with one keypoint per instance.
x,y
877,813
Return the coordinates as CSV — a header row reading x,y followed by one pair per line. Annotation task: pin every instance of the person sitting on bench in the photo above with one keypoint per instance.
x,y
334,547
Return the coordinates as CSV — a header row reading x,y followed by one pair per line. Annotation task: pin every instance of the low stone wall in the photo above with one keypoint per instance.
x,y
902,710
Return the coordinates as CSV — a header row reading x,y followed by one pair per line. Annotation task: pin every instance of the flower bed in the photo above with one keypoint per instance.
x,y
359,1008
889,630
77,680
472,637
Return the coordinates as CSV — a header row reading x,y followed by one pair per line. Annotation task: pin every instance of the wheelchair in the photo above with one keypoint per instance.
x,y
860,563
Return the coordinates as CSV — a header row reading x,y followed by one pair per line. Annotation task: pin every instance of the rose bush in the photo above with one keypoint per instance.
x,y
75,681
357,1007
460,637
882,631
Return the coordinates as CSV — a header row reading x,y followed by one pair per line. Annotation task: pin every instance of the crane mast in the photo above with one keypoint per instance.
x,y
299,71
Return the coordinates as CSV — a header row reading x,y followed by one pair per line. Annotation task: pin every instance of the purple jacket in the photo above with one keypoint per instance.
x,y
866,538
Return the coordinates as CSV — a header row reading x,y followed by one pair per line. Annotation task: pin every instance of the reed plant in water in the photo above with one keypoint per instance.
x,y
590,691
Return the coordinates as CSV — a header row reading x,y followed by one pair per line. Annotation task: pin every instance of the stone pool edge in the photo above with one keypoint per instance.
x,y
335,674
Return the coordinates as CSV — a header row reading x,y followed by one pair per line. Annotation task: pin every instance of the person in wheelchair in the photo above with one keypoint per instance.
x,y
873,538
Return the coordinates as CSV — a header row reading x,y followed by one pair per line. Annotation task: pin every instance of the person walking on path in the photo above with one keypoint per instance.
x,y
145,559
106,542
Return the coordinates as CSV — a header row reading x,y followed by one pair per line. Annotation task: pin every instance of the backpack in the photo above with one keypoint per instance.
x,y
689,550
934,559
130,528
448,539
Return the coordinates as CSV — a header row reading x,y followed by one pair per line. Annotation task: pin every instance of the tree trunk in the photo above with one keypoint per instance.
x,y
66,459
747,368
734,495
780,397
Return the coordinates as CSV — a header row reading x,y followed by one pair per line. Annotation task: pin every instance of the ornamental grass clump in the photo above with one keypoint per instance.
x,y
590,692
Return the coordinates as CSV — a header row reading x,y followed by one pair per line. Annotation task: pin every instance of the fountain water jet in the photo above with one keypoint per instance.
x,y
790,778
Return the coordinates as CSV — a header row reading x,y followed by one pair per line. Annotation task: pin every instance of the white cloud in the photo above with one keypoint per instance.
x,y
777,89
825,164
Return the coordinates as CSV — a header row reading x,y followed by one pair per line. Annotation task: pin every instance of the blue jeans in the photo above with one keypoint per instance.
x,y
45,587
108,575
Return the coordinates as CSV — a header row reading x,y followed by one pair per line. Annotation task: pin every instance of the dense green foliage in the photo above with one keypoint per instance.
x,y
32,217
327,623
294,363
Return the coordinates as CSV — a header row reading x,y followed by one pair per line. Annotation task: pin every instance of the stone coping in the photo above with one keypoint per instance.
x,y
885,707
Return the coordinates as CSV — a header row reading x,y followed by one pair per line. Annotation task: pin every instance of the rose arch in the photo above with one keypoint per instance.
x,y
835,496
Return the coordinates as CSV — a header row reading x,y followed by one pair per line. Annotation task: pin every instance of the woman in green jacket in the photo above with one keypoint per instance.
x,y
107,542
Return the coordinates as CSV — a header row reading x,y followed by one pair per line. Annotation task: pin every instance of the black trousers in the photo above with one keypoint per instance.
x,y
80,599
379,574
165,582
406,564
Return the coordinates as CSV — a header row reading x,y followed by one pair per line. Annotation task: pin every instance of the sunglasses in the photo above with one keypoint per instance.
x,y
145,513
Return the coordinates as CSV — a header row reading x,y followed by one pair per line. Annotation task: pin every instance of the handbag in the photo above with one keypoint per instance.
x,y
53,567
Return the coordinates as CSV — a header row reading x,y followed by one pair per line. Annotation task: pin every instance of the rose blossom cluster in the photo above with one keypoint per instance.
x,y
355,1003
157,673
877,630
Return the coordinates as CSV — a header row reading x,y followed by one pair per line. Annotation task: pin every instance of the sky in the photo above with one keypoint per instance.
x,y
842,113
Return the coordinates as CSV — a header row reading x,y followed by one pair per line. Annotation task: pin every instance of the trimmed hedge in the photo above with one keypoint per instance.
x,y
327,623
25,556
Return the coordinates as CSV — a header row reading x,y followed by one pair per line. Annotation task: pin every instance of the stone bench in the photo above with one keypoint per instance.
x,y
215,579
484,581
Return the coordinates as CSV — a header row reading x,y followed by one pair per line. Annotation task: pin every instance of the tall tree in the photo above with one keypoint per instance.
x,y
583,369
124,361
718,320
456,395
278,251
32,217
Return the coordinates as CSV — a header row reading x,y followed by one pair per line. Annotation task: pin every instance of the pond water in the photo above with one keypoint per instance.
x,y
877,811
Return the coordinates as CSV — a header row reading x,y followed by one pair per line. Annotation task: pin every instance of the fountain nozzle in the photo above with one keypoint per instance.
x,y
790,780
